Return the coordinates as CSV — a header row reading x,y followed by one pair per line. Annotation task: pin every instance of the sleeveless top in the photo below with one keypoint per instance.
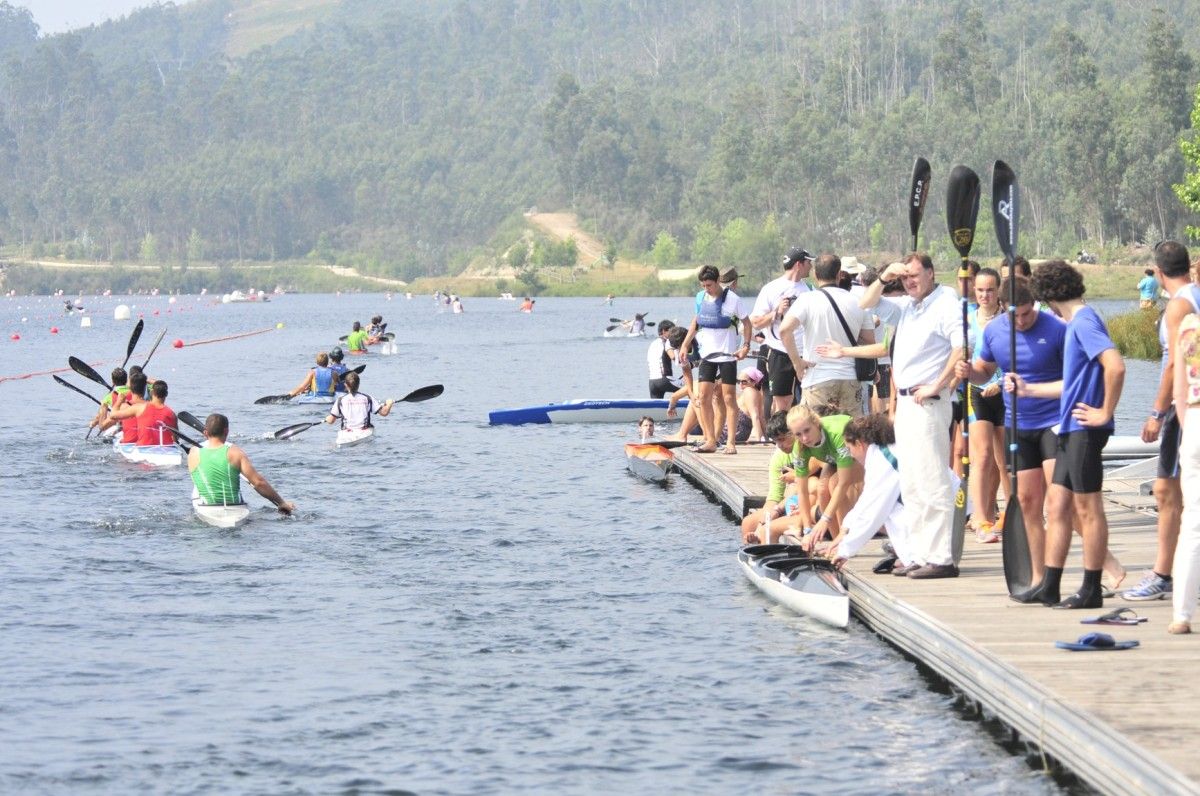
x,y
1192,294
129,426
150,422
215,478
323,380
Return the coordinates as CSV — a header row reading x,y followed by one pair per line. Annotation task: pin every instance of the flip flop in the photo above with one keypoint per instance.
x,y
1121,616
884,565
1089,642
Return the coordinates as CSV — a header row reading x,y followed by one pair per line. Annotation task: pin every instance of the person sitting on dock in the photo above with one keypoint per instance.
x,y
215,466
780,480
752,404
355,408
356,341
153,417
318,381
662,375
1093,375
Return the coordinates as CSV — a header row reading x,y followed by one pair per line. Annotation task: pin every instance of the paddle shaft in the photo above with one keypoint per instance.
x,y
154,348
133,341
71,386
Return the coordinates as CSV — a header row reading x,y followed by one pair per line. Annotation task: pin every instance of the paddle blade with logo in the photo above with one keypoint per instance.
x,y
962,208
1005,207
918,193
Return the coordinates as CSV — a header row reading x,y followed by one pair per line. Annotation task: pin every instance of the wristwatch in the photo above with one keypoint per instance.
x,y
1157,415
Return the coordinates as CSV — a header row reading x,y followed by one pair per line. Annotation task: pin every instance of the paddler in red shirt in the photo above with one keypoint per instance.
x,y
129,426
151,417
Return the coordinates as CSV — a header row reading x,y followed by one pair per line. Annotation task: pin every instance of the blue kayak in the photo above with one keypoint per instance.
x,y
586,411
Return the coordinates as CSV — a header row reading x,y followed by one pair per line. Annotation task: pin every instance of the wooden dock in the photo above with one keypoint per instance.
x,y
1121,721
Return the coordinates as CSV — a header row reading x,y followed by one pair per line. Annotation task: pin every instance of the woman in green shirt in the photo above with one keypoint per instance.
x,y
841,481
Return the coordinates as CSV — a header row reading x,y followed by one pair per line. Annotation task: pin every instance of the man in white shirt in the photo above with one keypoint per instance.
x,y
887,315
662,375
772,304
929,342
828,384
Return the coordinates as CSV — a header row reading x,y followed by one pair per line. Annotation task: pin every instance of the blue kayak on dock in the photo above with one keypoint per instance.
x,y
586,411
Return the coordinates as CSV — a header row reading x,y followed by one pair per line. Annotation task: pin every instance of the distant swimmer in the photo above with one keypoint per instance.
x,y
318,381
216,465
356,341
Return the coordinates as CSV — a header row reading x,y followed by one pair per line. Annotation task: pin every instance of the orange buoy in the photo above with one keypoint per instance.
x,y
177,344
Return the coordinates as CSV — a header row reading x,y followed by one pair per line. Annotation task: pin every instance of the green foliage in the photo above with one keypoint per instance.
x,y
665,253
1136,334
148,249
876,236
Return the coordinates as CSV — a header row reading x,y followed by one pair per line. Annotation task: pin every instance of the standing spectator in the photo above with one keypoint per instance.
x,y
662,374
1148,290
886,314
1186,566
714,328
772,304
825,314
929,342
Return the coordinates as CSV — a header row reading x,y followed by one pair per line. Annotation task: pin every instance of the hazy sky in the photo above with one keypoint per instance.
x,y
55,16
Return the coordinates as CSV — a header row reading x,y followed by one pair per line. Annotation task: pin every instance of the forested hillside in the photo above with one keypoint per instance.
x,y
402,135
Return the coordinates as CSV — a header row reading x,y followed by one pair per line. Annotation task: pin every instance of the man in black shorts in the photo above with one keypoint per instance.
x,y
772,304
1040,338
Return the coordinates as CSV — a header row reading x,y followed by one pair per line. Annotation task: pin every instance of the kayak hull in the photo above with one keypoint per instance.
x,y
808,587
649,461
1121,448
233,515
152,455
313,398
346,439
585,411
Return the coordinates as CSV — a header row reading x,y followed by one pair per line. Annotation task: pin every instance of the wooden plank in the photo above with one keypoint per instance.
x,y
1121,721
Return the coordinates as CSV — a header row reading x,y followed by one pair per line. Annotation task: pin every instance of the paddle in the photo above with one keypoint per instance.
x,y
154,348
286,398
87,371
416,396
133,341
962,209
191,420
71,386
1018,566
181,439
917,196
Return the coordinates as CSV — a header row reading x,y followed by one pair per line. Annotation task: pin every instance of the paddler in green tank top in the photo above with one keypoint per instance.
x,y
215,467
119,379
357,339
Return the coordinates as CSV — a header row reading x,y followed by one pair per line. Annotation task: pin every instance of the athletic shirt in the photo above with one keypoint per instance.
x,y
110,400
831,450
775,486
658,361
1083,376
1148,288
975,343
354,410
215,478
1192,294
129,426
341,370
769,298
357,341
1039,360
324,380
150,422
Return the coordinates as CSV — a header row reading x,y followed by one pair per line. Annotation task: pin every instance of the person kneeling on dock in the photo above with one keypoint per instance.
x,y
215,466
820,438
780,481
355,408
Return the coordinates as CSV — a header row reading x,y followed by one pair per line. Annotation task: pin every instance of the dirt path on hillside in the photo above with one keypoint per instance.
x,y
566,225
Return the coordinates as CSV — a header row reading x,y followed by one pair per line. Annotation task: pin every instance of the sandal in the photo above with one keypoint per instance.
x,y
1121,616
729,451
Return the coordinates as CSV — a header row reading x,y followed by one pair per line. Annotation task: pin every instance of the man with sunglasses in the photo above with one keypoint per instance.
x,y
773,302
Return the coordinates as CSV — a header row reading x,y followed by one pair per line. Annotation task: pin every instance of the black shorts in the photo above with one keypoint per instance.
x,y
883,382
956,412
987,410
1168,446
727,371
661,388
1035,446
780,373
1079,466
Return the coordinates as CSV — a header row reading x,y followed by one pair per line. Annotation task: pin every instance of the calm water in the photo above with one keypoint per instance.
x,y
455,609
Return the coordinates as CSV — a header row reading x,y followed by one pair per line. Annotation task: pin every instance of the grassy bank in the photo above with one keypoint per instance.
x,y
1136,333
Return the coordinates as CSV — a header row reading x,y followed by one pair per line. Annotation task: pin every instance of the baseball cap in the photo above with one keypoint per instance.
x,y
795,254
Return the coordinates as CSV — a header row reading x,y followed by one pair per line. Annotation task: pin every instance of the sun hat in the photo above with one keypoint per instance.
x,y
851,265
729,277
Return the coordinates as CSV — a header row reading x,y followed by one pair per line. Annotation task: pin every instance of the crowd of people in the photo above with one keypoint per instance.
x,y
859,384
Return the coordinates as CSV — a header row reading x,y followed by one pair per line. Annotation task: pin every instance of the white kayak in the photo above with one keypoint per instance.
x,y
232,515
808,586
152,455
346,438
649,461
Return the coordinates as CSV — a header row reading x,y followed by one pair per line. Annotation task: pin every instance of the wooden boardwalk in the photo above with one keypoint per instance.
x,y
1121,721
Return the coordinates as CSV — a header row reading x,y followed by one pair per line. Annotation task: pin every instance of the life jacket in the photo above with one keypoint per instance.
x,y
150,426
341,371
708,313
324,380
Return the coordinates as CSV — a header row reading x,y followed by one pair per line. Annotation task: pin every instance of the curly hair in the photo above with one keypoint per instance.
x,y
1057,281
871,429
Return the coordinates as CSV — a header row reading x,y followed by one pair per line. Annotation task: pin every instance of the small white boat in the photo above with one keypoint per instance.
x,y
808,586
152,455
346,438
232,515
648,460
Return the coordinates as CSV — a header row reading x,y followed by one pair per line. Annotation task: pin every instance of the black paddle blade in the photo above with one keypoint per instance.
x,y
959,528
133,340
359,369
291,431
917,195
87,371
1014,546
616,320
179,435
274,399
610,328
422,394
71,386
1005,206
962,208
190,419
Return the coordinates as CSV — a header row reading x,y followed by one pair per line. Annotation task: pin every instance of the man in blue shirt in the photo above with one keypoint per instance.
x,y
1093,375
1148,290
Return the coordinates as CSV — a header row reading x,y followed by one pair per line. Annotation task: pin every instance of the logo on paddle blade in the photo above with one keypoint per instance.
x,y
962,238
960,499
918,193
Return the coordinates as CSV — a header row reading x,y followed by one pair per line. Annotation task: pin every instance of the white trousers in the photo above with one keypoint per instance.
x,y
1186,569
923,450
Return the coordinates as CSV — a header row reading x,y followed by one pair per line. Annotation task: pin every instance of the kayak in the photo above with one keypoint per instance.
x,y
585,411
1128,447
153,455
313,398
231,515
808,586
623,333
648,460
346,438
